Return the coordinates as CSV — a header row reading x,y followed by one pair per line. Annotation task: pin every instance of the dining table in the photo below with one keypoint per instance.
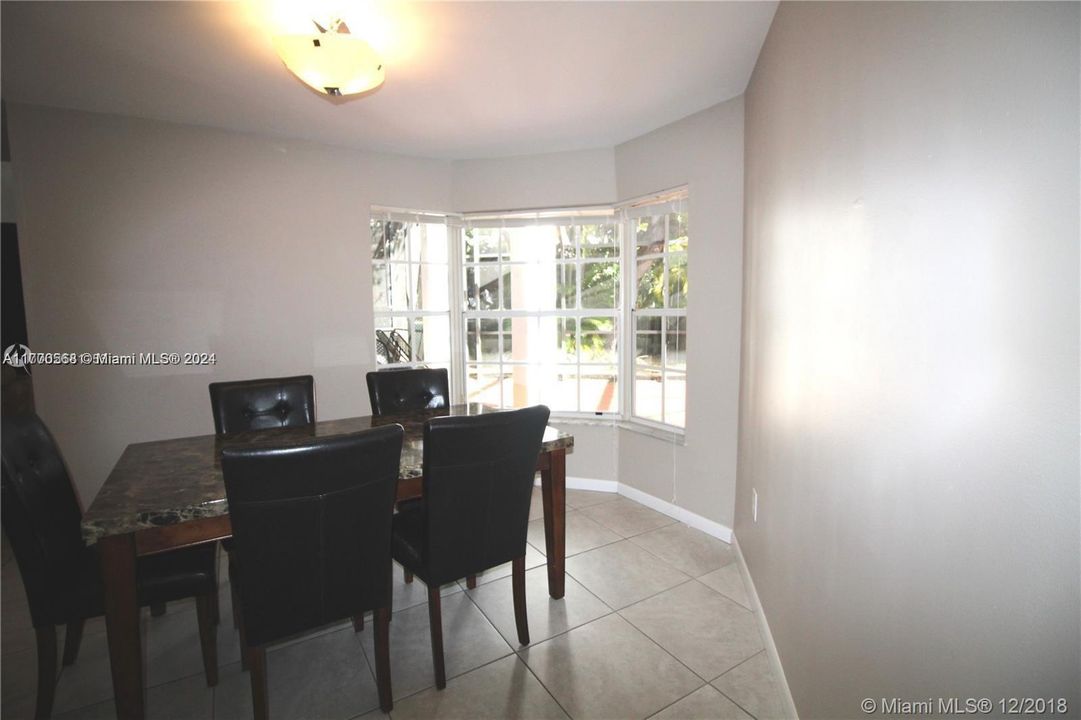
x,y
167,494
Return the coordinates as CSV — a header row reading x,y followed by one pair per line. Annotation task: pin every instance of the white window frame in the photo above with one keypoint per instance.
x,y
385,214
568,216
673,200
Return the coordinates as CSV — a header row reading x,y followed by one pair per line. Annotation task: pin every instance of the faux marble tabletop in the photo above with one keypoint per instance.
x,y
171,481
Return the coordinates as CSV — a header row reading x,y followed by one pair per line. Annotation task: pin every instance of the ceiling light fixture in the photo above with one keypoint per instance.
x,y
332,62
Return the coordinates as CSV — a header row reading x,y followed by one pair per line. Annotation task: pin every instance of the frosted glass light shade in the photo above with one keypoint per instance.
x,y
332,63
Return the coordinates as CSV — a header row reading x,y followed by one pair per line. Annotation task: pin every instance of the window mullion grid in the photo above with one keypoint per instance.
x,y
455,271
630,317
579,268
664,324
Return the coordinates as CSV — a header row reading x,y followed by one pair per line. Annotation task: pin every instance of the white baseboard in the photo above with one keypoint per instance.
x,y
685,516
581,483
763,625
709,527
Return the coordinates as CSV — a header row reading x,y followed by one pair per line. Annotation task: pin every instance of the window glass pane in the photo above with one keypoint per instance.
x,y
677,280
398,290
599,340
469,244
675,341
472,339
600,285
508,285
392,340
565,243
428,242
649,283
647,341
566,288
599,389
515,334
483,384
379,248
553,385
537,243
482,287
430,286
675,399
431,338
482,339
379,287
566,340
599,241
647,393
486,244
396,240
677,232
649,235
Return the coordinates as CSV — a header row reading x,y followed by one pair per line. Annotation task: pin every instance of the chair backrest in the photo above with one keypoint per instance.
x,y
41,516
311,529
264,403
392,391
478,482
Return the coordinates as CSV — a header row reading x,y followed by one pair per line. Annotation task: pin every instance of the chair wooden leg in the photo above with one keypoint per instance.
x,y
46,637
208,636
471,581
157,609
358,622
408,576
215,608
518,589
382,658
435,622
73,637
257,664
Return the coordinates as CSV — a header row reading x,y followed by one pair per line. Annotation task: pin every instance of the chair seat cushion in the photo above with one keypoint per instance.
x,y
161,578
408,534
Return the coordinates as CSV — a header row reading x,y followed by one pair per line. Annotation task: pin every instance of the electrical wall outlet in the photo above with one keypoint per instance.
x,y
754,506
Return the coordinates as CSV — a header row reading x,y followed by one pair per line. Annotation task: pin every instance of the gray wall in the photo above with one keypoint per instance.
x,y
909,401
705,152
582,177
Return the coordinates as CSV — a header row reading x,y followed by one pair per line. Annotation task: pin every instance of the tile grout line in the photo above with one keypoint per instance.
x,y
722,692
692,692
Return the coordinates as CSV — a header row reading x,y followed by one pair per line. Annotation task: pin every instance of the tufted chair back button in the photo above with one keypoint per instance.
x,y
264,403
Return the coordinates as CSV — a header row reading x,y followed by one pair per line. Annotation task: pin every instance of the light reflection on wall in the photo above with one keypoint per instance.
x,y
859,321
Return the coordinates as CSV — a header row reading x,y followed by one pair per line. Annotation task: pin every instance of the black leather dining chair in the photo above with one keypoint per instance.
x,y
403,390
260,404
311,541
61,574
243,405
394,391
473,515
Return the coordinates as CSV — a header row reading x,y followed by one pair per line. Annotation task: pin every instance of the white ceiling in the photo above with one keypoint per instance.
x,y
464,80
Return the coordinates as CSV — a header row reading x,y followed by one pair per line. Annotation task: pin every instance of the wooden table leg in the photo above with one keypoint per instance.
x,y
117,555
554,491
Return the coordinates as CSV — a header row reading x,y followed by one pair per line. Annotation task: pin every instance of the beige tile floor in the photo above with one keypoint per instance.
x,y
656,622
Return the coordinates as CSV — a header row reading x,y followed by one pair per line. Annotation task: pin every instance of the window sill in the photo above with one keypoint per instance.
x,y
593,420
674,436
671,435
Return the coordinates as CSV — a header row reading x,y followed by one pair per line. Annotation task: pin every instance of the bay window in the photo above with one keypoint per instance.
x,y
583,310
